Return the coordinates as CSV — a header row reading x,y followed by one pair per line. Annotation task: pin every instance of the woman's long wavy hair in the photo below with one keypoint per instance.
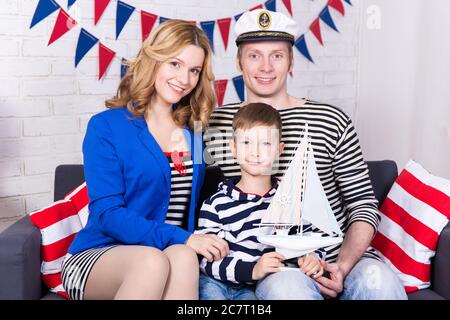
x,y
137,88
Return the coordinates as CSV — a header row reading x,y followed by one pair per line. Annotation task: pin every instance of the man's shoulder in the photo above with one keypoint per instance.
x,y
326,108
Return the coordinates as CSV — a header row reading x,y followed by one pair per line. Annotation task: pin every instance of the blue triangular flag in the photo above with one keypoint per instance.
x,y
70,3
239,86
300,44
208,28
162,19
348,1
123,13
85,42
270,5
43,10
236,17
123,68
326,17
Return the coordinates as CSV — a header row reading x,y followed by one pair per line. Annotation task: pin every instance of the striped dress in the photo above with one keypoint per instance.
x,y
341,168
181,169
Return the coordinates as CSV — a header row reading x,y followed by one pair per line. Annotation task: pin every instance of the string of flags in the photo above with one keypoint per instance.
x,y
86,41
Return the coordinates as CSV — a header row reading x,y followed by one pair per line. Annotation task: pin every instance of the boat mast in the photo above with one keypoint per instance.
x,y
303,187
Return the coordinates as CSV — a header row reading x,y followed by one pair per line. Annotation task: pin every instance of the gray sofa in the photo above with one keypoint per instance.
x,y
20,259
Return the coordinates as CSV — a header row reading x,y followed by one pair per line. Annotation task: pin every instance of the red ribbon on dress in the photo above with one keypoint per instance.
x,y
177,159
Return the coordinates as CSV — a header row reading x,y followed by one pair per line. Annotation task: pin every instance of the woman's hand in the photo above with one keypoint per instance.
x,y
208,245
311,266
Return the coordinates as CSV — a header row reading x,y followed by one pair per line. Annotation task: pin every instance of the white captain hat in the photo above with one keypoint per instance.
x,y
264,25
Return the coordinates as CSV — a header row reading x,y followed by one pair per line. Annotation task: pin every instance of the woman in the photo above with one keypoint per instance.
x,y
144,176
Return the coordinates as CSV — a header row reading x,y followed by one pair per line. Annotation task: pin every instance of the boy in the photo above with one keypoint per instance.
x,y
233,211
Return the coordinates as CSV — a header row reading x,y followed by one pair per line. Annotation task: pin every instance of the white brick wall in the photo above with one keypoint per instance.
x,y
45,103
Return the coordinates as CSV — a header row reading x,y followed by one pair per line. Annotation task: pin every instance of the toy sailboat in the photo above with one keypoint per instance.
x,y
300,200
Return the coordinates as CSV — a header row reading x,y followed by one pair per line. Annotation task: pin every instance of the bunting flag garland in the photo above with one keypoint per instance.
x,y
236,17
123,13
43,10
208,28
70,3
105,56
63,24
162,19
337,5
315,29
239,87
147,22
85,42
300,44
259,6
326,17
220,86
123,67
270,5
287,4
99,8
224,27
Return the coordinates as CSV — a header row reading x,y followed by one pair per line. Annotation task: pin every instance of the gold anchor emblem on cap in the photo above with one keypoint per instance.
x,y
264,20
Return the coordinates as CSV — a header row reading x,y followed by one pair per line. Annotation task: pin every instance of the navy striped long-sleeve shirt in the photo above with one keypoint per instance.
x,y
232,214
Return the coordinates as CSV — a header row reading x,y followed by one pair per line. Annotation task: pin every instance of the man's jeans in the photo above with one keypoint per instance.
x,y
212,289
370,279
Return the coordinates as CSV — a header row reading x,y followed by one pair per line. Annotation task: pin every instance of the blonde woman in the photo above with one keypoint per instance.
x,y
144,170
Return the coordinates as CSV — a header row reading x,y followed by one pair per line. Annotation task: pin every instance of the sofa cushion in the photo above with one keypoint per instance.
x,y
58,224
413,215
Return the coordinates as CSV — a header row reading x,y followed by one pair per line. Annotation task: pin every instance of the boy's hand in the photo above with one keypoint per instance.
x,y
311,266
268,263
210,246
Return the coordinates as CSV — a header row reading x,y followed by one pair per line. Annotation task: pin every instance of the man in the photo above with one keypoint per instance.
x,y
265,57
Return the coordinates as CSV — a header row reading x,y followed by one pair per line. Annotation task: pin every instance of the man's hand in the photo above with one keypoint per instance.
x,y
208,245
334,285
268,263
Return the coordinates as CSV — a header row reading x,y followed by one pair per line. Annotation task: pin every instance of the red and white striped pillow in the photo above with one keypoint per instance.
x,y
59,223
413,215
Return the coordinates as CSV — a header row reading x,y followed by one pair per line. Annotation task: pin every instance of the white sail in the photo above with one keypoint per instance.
x,y
299,199
285,205
316,208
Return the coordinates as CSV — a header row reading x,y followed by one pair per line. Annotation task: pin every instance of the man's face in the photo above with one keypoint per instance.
x,y
257,148
265,66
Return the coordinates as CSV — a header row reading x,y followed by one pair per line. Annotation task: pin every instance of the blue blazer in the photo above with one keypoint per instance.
x,y
128,182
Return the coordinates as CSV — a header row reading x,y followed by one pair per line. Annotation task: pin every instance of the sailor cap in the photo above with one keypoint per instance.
x,y
265,25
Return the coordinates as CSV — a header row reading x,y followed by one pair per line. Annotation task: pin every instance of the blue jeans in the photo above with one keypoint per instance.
x,y
212,289
369,279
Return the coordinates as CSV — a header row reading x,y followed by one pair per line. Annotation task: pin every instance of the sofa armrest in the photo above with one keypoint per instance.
x,y
20,261
441,265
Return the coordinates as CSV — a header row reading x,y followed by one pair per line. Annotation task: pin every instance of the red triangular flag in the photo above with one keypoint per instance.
x,y
147,22
63,24
105,56
224,26
338,5
287,4
315,28
99,8
260,6
220,86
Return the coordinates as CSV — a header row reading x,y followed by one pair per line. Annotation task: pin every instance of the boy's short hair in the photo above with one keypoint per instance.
x,y
254,114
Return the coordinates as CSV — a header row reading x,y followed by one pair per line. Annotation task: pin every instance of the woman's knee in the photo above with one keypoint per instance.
x,y
150,261
183,256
